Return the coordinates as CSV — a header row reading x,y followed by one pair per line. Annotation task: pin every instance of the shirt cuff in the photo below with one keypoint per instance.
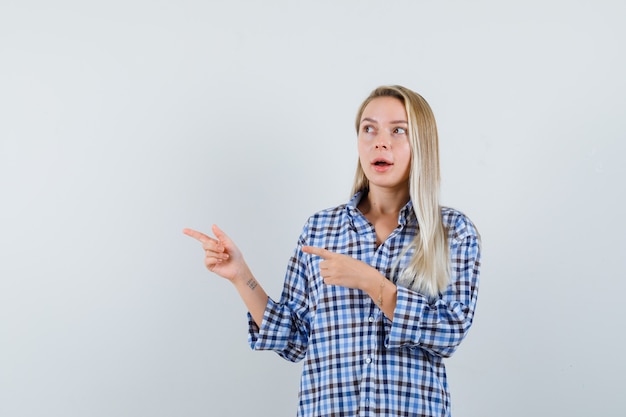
x,y
271,335
405,328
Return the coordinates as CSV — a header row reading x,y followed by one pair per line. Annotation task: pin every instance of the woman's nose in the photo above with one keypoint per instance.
x,y
382,142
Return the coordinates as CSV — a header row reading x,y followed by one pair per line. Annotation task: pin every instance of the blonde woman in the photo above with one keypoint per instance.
x,y
379,290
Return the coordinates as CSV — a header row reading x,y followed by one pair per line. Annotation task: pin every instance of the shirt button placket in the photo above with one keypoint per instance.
x,y
368,372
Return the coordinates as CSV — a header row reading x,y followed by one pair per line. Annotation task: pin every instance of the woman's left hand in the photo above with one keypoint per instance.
x,y
344,270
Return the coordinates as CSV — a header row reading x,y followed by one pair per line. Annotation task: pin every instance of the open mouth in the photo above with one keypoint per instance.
x,y
381,163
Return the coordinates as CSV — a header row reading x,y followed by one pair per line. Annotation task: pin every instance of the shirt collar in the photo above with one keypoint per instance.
x,y
358,220
407,214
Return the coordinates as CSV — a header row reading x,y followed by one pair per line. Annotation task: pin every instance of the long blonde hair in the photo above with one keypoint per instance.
x,y
428,271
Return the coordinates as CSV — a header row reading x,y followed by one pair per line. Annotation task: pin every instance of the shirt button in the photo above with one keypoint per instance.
x,y
371,319
368,360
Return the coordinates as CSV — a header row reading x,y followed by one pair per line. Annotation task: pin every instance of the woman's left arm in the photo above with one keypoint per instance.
x,y
413,320
439,325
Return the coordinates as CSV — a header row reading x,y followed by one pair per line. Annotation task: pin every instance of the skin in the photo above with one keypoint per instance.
x,y
382,137
226,260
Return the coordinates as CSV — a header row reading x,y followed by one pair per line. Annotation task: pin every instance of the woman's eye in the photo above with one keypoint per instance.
x,y
368,129
399,130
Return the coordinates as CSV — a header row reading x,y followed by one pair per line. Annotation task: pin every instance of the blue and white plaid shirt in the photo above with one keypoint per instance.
x,y
357,361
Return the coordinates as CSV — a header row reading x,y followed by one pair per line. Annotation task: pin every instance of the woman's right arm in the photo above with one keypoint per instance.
x,y
226,260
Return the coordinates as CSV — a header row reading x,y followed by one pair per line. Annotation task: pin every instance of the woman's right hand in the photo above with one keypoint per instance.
x,y
221,255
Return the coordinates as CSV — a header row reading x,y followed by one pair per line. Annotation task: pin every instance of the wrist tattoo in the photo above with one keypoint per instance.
x,y
252,283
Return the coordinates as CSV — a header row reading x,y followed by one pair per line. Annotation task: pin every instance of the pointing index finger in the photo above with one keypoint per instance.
x,y
314,250
200,237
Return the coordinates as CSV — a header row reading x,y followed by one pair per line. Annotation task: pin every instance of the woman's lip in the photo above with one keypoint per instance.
x,y
382,168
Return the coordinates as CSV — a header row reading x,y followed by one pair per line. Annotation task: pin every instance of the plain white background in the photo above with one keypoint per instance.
x,y
122,122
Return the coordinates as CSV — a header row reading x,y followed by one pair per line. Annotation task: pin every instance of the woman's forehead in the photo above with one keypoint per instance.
x,y
387,109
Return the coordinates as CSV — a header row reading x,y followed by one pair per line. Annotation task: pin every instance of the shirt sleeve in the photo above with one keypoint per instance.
x,y
285,327
439,325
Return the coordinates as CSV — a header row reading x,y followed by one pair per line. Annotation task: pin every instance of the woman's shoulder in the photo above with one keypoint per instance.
x,y
329,212
321,222
328,216
459,226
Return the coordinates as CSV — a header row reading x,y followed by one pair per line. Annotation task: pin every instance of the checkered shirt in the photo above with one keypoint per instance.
x,y
357,361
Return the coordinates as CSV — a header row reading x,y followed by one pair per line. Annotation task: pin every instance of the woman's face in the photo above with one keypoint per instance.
x,y
384,149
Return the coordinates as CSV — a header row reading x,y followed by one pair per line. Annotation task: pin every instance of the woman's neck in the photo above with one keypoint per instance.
x,y
384,202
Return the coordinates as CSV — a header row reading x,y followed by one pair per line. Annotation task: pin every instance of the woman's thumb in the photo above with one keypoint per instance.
x,y
219,234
